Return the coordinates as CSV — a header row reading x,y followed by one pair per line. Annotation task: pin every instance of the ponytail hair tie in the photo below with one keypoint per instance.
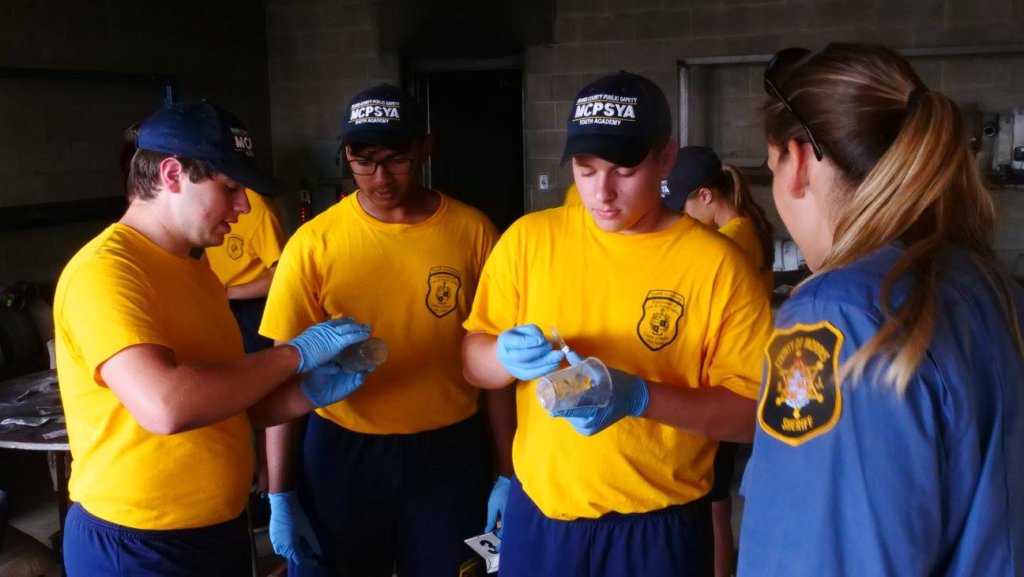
x,y
915,96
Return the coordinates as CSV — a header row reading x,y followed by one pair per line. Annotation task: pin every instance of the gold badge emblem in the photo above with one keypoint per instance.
x,y
659,324
234,246
801,398
443,286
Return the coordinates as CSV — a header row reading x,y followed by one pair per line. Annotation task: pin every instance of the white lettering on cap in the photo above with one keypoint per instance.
x,y
375,111
605,109
243,142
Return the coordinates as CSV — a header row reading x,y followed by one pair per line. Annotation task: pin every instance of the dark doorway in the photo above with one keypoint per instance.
x,y
476,117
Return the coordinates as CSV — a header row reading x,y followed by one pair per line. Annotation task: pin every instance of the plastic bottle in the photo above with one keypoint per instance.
x,y
363,356
586,384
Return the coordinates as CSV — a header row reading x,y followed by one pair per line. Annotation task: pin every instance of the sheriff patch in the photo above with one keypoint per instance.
x,y
234,246
659,324
443,284
801,398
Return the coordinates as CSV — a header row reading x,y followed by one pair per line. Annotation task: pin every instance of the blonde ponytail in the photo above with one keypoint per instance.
x,y
741,198
910,178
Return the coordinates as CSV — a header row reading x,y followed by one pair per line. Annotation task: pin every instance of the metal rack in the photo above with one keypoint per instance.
x,y
693,80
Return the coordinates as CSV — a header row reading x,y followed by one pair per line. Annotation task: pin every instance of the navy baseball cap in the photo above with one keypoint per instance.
x,y
385,116
695,166
203,131
618,118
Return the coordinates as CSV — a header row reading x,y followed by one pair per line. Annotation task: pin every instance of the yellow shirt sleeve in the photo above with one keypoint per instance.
x,y
122,290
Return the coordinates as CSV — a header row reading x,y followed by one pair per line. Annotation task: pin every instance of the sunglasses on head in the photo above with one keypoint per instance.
x,y
784,62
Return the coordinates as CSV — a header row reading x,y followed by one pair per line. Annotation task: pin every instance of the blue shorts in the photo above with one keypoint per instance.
x,y
94,547
377,501
249,315
674,541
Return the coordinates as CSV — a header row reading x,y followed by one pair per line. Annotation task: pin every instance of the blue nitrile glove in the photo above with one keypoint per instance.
x,y
323,341
496,505
573,357
526,354
290,531
629,399
329,384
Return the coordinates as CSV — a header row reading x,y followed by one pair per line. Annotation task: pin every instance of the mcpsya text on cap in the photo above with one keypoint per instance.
x,y
368,110
605,109
243,142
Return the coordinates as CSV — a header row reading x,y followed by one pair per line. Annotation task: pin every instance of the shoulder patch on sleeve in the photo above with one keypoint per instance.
x,y
801,398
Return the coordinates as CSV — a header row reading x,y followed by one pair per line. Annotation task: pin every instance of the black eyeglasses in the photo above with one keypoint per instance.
x,y
398,164
786,61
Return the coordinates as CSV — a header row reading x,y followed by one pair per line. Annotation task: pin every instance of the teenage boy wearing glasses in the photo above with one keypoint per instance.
x,y
398,474
670,306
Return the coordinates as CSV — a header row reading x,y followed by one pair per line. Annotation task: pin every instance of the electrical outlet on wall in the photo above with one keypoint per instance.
x,y
542,181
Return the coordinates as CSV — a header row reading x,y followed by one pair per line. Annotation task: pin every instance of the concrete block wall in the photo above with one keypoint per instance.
x,y
321,53
59,139
596,37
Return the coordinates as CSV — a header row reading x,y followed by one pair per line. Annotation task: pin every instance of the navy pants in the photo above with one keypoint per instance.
x,y
94,547
381,501
249,315
676,541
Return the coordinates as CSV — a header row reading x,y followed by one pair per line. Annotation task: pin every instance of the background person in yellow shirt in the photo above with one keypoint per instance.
x,y
669,305
719,196
157,391
572,196
245,264
396,475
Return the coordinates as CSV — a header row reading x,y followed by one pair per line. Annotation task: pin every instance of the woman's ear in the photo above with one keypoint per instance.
x,y
705,195
794,162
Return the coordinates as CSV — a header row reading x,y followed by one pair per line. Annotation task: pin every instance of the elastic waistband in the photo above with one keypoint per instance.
x,y
699,506
224,529
695,507
470,423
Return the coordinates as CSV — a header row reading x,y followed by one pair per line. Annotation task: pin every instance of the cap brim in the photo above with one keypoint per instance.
x,y
390,139
619,150
252,177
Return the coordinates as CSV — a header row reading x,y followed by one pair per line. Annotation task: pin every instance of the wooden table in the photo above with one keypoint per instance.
x,y
31,396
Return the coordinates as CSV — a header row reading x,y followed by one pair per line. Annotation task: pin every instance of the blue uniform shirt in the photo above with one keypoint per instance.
x,y
853,480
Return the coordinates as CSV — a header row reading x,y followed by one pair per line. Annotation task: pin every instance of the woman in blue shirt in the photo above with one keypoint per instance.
x,y
890,436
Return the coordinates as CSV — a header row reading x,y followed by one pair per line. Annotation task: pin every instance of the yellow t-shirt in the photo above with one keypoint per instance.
x,y
572,196
122,290
253,245
742,231
412,283
679,306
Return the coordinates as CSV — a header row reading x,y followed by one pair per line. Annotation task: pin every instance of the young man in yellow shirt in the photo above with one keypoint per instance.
x,y
667,305
396,475
158,393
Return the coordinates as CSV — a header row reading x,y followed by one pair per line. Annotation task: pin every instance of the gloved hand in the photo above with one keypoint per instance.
x,y
629,399
526,354
321,342
290,531
496,505
329,384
